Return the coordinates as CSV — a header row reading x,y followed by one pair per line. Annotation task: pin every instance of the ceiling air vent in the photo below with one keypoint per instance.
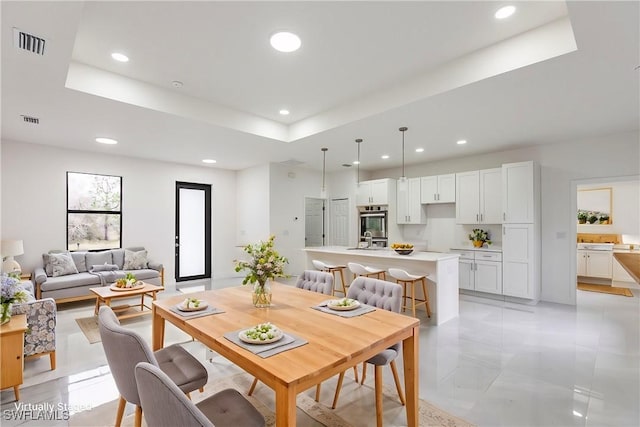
x,y
28,42
30,119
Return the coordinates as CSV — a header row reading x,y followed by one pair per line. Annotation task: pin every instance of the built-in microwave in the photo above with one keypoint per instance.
x,y
374,222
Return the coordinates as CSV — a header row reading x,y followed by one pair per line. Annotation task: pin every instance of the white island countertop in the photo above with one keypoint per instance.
x,y
384,253
440,268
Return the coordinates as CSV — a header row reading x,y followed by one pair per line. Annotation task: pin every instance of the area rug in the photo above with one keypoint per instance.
x,y
310,412
89,326
605,289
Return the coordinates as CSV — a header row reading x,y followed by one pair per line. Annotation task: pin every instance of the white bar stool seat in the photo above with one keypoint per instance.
x,y
403,278
331,268
366,271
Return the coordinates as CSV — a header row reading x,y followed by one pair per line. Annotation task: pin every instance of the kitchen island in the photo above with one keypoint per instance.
x,y
441,270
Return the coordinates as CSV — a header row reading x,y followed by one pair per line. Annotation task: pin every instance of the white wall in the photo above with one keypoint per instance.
x,y
252,201
616,155
34,202
288,187
625,209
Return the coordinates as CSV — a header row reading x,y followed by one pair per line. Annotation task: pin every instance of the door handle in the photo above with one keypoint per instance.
x,y
481,216
434,196
477,217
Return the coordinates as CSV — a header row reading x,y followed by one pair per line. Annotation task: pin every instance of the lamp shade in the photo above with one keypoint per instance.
x,y
11,248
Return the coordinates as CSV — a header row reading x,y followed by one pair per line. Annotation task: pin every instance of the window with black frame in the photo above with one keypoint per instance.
x,y
94,211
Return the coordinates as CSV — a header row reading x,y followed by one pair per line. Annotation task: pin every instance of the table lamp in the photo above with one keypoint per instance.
x,y
9,249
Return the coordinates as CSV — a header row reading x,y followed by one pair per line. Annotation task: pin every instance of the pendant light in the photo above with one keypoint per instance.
x,y
402,181
357,162
323,190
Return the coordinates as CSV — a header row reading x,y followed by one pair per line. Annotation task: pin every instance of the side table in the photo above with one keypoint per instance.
x,y
12,353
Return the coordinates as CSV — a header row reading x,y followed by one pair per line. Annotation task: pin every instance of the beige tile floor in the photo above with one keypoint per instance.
x,y
498,364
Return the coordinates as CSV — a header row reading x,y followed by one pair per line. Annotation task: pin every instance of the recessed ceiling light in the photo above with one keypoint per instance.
x,y
210,161
419,150
355,162
108,141
120,57
284,112
385,156
461,142
177,84
505,12
285,42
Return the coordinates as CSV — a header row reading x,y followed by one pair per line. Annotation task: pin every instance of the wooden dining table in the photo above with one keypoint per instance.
x,y
335,343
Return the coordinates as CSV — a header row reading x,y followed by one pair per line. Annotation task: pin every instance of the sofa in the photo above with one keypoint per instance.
x,y
40,337
67,276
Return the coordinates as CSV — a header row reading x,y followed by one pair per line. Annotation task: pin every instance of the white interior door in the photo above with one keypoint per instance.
x,y
314,222
339,222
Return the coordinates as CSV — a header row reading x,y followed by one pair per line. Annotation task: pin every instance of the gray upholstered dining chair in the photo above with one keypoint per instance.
x,y
316,281
165,405
125,349
387,296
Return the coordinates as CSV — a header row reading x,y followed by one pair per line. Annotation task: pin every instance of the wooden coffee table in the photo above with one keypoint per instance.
x,y
104,295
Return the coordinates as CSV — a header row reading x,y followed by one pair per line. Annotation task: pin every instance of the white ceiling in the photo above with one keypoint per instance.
x,y
447,70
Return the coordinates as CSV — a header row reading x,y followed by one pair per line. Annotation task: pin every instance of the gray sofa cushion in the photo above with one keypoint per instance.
x,y
95,258
70,281
143,274
118,257
78,259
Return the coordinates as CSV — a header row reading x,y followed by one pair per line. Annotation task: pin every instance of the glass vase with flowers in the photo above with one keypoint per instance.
x,y
264,264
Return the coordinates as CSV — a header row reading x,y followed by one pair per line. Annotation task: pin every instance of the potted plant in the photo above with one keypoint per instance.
x,y
592,218
604,219
265,263
479,237
582,217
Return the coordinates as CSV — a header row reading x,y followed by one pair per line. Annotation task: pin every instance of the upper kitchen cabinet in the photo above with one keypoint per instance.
x,y
438,189
478,197
410,211
374,192
519,181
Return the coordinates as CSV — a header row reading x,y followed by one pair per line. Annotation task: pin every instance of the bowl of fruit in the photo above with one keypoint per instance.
x,y
402,248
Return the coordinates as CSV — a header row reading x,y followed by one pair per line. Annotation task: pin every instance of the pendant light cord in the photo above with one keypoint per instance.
x,y
324,165
403,129
358,141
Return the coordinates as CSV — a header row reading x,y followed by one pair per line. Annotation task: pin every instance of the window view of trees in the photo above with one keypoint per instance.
x,y
94,215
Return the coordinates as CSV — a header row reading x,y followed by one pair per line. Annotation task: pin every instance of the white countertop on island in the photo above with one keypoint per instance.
x,y
384,253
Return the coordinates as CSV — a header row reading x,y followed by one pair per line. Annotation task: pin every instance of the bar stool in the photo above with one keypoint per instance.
x,y
330,268
403,278
362,270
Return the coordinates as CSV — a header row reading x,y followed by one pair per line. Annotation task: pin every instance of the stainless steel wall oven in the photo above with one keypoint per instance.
x,y
375,222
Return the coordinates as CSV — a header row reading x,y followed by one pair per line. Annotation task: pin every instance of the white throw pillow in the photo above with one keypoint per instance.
x,y
135,260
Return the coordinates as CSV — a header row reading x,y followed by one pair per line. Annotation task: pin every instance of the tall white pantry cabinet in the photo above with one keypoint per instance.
x,y
521,230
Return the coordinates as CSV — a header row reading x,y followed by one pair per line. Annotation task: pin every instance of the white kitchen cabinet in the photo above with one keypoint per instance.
x,y
595,264
478,197
409,209
466,274
520,266
374,192
619,273
519,181
480,271
438,189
